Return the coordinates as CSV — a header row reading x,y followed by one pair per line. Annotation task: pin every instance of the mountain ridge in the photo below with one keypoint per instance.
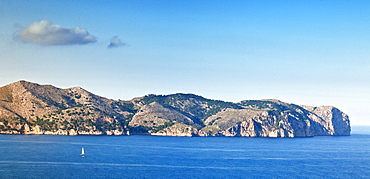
x,y
30,108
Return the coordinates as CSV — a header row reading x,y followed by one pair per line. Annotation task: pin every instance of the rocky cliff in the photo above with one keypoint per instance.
x,y
30,108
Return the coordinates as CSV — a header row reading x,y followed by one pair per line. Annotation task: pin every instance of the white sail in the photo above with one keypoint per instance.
x,y
83,152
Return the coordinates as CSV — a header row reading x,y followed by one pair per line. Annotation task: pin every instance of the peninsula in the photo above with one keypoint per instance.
x,y
30,108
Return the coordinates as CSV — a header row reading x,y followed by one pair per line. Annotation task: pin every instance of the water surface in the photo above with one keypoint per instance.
x,y
42,156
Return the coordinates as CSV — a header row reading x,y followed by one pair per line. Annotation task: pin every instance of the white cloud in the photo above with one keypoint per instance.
x,y
115,42
47,34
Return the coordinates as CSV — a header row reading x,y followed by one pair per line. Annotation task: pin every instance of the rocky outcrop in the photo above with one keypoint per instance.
x,y
333,121
273,118
180,129
256,123
30,108
154,115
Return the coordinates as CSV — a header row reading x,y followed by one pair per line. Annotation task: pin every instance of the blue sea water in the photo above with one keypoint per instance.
x,y
42,156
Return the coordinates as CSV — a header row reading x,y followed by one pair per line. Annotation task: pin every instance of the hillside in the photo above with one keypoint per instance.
x,y
30,108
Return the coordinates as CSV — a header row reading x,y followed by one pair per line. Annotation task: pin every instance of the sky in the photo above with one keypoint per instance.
x,y
303,52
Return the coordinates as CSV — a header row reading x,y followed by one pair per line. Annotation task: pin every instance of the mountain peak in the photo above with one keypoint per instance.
x,y
24,82
21,83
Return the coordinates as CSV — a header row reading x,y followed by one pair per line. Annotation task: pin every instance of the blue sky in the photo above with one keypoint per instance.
x,y
304,52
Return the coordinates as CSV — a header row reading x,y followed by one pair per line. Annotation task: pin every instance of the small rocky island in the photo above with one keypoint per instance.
x,y
30,108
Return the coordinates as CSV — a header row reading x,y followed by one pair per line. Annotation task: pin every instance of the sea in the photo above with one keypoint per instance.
x,y
46,156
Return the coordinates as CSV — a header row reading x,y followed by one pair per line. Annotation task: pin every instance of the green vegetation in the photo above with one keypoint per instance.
x,y
146,129
211,130
46,125
125,106
161,127
140,129
195,107
10,123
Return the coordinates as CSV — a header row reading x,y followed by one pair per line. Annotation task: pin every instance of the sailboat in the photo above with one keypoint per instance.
x,y
83,152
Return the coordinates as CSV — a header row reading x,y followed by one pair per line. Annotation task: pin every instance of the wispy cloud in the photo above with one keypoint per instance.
x,y
47,34
115,42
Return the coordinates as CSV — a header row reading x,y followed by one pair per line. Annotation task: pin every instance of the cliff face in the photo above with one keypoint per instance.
x,y
334,121
29,108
